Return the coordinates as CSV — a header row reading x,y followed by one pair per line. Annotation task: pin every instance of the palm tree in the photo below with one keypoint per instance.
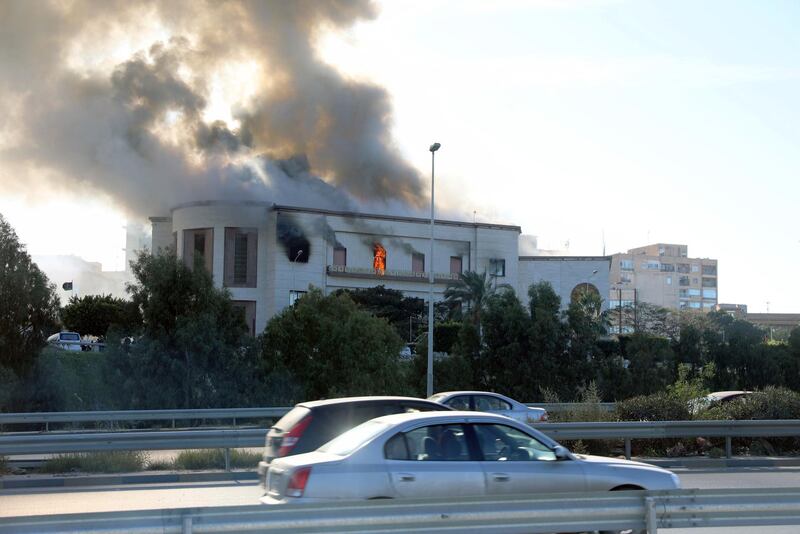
x,y
472,292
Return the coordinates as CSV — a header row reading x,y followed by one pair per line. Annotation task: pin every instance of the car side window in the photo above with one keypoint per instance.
x,y
430,443
485,403
460,402
503,443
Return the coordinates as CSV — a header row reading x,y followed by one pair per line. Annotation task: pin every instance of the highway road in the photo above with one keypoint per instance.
x,y
42,501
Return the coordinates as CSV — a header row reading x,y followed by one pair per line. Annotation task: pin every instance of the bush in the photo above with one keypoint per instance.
x,y
194,460
655,407
771,403
97,462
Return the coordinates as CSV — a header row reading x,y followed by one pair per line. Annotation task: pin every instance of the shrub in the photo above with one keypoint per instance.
x,y
193,460
96,462
655,407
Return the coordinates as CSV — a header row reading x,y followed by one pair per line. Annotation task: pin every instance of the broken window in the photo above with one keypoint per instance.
x,y
379,260
497,267
417,262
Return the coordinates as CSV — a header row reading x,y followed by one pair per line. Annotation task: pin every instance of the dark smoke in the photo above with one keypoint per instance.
x,y
292,238
136,130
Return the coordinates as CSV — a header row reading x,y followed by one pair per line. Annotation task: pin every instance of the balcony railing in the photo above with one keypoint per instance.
x,y
389,274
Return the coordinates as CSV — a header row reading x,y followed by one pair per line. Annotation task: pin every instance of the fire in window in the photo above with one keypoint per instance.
x,y
379,262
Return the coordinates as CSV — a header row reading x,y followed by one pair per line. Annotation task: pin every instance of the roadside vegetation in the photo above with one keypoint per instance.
x,y
96,462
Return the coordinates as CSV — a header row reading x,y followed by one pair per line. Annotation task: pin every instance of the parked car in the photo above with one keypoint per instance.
x,y
715,398
66,341
439,454
484,401
311,424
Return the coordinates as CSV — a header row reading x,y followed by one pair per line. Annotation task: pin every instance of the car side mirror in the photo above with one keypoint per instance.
x,y
561,452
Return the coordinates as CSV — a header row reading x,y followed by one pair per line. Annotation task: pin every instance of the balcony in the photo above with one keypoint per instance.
x,y
389,274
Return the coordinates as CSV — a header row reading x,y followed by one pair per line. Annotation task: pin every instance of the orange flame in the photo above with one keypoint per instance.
x,y
379,263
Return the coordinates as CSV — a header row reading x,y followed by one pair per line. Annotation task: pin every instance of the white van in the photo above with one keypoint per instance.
x,y
66,341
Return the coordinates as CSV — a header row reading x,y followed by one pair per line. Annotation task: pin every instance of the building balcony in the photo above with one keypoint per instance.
x,y
389,274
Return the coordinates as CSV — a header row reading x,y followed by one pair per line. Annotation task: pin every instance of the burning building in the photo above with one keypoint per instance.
x,y
268,255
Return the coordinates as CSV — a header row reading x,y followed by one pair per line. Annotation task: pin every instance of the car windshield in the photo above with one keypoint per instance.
x,y
353,438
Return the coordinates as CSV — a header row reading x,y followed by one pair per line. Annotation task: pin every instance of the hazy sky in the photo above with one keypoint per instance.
x,y
638,121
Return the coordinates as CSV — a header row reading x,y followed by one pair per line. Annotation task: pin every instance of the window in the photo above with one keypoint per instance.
x,y
684,281
683,267
626,265
709,305
247,309
241,252
460,402
430,443
501,443
418,262
198,246
651,265
668,280
683,293
625,278
456,265
340,256
709,293
486,403
710,270
695,281
709,282
694,292
294,295
497,267
695,305
695,268
668,267
684,304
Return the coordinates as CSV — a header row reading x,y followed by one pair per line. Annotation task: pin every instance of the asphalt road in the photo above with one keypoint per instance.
x,y
43,501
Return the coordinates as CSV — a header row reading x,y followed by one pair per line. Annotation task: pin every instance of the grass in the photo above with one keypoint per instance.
x,y
96,462
193,460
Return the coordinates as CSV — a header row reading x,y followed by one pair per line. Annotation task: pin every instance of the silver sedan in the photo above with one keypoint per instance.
x,y
435,454
486,401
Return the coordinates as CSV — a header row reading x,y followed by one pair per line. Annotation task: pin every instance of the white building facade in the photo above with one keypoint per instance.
x,y
267,255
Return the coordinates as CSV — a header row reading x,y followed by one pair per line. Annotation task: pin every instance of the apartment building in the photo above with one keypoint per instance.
x,y
664,275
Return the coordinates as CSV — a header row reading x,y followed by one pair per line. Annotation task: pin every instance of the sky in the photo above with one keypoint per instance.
x,y
598,126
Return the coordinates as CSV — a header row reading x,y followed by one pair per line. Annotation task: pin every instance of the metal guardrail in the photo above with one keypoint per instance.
x,y
60,442
233,414
648,510
554,407
629,430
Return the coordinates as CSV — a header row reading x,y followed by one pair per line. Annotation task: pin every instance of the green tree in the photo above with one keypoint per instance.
x,y
95,314
470,294
193,351
28,304
332,348
392,305
506,336
547,335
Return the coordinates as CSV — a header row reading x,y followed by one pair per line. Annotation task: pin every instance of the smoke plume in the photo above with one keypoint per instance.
x,y
124,98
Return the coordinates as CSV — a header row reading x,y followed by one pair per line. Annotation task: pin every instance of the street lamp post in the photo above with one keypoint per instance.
x,y
433,148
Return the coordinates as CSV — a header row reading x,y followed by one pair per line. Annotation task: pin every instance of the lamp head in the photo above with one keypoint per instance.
x,y
435,147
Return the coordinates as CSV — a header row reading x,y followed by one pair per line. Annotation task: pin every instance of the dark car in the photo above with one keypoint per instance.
x,y
311,424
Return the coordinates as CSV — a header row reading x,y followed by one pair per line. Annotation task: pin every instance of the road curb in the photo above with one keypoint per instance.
x,y
72,481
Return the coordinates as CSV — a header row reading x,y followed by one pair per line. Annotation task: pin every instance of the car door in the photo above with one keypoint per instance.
x,y
434,461
516,462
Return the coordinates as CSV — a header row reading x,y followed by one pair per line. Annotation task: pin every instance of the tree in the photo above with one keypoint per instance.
x,y
95,314
508,356
471,294
331,348
28,303
392,305
547,334
193,351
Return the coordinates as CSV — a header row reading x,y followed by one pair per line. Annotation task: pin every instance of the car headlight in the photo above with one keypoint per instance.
x,y
675,480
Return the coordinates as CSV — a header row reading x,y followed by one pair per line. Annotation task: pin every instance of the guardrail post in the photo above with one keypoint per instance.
x,y
650,516
628,448
187,525
227,459
728,447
